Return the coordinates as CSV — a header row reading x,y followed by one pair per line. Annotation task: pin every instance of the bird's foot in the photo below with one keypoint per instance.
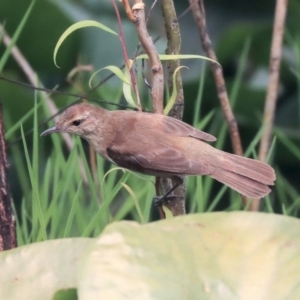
x,y
163,200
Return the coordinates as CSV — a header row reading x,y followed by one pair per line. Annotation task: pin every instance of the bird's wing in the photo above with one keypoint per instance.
x,y
157,122
176,127
162,161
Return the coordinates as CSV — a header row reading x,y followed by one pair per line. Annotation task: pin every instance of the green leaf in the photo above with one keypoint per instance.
x,y
117,71
238,255
127,87
178,56
78,25
125,77
174,93
135,200
38,271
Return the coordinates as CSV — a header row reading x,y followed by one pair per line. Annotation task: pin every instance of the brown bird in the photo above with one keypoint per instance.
x,y
155,144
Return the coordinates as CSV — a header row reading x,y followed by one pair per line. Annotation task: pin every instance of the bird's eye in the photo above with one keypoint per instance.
x,y
76,122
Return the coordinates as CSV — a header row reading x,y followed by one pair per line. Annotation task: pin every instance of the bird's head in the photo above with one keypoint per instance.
x,y
80,119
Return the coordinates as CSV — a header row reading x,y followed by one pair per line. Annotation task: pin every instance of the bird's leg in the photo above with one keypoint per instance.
x,y
167,197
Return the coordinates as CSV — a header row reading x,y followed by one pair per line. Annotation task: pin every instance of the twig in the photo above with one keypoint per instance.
x,y
125,54
199,16
274,69
79,97
128,10
157,91
7,219
272,92
177,207
157,86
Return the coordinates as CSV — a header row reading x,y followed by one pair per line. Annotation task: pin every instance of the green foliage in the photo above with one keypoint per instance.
x,y
63,197
68,200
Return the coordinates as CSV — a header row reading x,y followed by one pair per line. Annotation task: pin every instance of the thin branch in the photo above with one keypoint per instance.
x,y
125,53
199,16
198,11
274,69
79,97
157,91
128,10
272,92
157,85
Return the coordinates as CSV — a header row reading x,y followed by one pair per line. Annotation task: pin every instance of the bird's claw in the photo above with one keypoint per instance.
x,y
163,200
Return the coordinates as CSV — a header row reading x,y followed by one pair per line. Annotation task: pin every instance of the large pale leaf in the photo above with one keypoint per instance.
x,y
38,271
235,255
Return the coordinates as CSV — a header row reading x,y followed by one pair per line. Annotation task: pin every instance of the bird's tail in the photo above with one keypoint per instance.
x,y
247,176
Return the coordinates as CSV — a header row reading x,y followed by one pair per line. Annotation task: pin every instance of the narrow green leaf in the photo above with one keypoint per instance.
x,y
168,213
117,71
104,205
79,25
178,56
135,200
72,212
38,225
174,92
127,88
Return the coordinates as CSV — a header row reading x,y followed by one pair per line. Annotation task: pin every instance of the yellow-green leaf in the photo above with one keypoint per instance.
x,y
127,87
168,213
112,170
135,200
78,25
117,71
178,56
174,93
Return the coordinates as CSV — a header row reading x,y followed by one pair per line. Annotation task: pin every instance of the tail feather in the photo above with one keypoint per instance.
x,y
251,168
247,176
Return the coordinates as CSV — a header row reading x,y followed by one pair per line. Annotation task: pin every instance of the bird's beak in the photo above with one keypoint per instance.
x,y
50,130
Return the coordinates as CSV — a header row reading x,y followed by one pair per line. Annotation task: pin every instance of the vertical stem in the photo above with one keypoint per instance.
x,y
157,84
177,207
7,219
272,92
198,10
125,54
157,90
199,16
274,69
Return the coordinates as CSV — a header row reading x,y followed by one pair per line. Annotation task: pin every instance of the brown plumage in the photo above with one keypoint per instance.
x,y
154,144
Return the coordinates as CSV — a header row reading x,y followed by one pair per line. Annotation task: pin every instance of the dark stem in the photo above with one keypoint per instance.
x,y
125,53
157,84
7,219
199,16
177,207
198,11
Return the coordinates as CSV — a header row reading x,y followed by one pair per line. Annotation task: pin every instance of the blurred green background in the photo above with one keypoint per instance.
x,y
233,25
